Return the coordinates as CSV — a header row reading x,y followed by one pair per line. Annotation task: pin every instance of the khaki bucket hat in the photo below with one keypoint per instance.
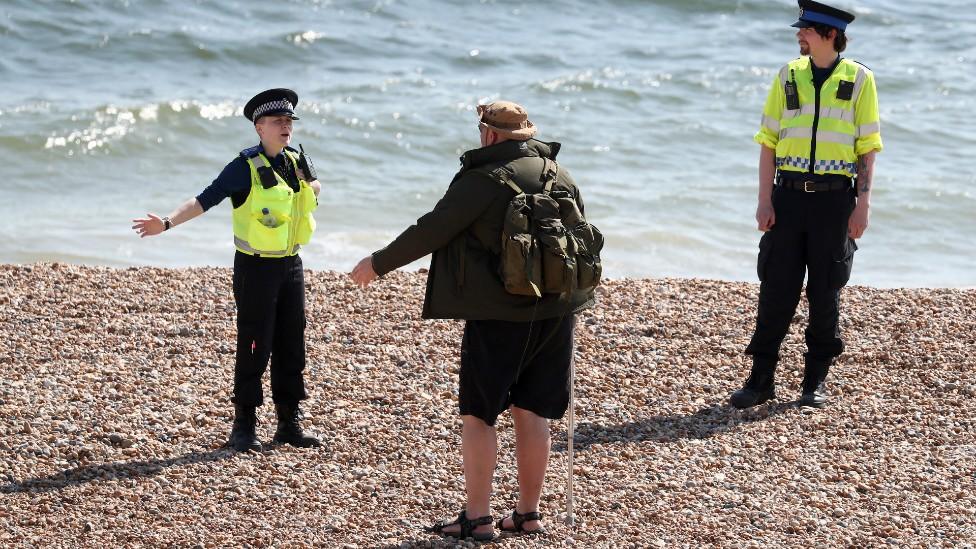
x,y
507,119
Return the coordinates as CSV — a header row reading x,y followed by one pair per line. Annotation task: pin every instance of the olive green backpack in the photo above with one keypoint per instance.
x,y
548,247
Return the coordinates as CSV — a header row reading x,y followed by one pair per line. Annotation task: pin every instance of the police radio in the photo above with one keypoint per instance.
x,y
267,176
792,97
845,90
305,164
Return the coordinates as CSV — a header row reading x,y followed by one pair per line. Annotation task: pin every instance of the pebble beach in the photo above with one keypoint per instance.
x,y
114,406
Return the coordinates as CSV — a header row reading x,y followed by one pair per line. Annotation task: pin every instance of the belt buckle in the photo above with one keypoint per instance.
x,y
806,187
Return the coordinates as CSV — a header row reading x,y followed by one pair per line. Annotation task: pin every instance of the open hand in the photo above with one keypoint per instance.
x,y
150,226
363,274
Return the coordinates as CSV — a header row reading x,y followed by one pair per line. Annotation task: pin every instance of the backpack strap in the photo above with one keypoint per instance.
x,y
549,176
550,173
502,175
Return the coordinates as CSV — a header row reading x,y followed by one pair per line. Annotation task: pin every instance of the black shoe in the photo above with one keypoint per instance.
x,y
814,385
289,431
759,387
747,397
242,435
816,398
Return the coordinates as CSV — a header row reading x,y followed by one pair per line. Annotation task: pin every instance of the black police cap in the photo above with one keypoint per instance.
x,y
813,13
271,102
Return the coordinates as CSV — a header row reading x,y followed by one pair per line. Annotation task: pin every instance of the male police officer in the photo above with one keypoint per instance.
x,y
517,350
274,191
820,128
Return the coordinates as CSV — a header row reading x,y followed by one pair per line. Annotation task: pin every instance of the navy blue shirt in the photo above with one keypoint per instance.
x,y
821,75
235,181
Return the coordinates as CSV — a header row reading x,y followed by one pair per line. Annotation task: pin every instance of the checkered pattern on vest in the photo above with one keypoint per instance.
x,y
820,166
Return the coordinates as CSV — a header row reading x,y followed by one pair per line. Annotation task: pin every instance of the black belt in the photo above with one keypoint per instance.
x,y
812,183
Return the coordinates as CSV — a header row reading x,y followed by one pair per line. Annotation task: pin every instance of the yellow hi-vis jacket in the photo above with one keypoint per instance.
x,y
289,222
826,134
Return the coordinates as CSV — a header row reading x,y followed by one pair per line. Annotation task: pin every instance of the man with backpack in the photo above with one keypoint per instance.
x,y
518,288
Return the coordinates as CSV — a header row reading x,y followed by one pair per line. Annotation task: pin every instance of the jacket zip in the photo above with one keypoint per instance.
x,y
816,120
816,112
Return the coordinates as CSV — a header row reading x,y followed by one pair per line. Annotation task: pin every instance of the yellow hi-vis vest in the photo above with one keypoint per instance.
x,y
826,134
291,212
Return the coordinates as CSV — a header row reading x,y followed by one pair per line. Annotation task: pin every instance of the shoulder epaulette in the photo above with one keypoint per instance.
x,y
862,64
251,152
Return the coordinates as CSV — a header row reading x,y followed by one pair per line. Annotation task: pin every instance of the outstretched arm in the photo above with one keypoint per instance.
x,y
363,273
153,225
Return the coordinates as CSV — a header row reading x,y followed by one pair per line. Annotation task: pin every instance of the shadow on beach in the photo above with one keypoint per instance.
x,y
112,471
705,423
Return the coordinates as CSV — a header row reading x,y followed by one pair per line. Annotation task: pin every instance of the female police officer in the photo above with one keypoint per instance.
x,y
274,191
820,127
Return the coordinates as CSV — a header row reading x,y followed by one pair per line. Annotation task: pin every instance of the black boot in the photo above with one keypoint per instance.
x,y
758,388
814,386
289,431
242,435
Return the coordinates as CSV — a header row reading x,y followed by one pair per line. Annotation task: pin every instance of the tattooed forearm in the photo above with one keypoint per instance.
x,y
864,177
865,172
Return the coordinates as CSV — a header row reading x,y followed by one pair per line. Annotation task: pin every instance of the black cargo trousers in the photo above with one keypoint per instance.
x,y
270,297
810,234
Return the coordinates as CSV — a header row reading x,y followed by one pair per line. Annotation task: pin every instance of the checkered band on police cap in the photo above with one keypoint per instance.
x,y
280,105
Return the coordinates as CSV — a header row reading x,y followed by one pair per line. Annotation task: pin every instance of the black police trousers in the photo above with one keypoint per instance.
x,y
810,235
270,297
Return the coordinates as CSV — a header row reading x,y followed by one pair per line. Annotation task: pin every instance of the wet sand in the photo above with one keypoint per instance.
x,y
114,401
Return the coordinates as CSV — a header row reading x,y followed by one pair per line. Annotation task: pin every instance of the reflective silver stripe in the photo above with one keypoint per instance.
x,y
799,133
822,136
837,113
805,109
244,245
868,129
258,161
784,74
770,122
858,83
835,137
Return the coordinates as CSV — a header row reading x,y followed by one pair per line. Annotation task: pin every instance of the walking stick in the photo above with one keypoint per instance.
x,y
570,431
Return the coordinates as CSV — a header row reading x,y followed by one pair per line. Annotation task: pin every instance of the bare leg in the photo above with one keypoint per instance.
x,y
479,445
532,445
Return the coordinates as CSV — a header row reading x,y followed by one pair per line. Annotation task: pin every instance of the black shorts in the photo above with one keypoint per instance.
x,y
516,364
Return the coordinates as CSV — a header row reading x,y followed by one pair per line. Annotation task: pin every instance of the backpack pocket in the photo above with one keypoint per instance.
x,y
568,210
589,269
521,265
558,259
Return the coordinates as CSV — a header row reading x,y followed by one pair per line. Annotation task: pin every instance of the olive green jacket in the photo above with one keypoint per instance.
x,y
463,231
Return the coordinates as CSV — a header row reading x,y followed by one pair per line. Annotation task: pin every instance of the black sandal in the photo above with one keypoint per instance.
x,y
518,523
467,527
